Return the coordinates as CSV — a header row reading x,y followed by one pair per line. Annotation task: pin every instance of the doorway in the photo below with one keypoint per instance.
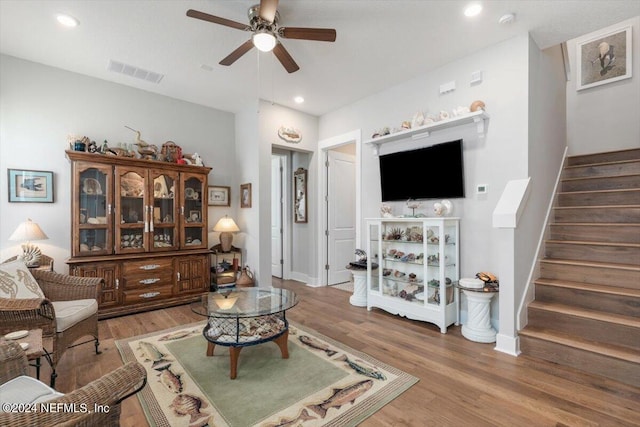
x,y
280,223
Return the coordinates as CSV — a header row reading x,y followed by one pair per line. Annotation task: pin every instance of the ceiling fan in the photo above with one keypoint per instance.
x,y
264,24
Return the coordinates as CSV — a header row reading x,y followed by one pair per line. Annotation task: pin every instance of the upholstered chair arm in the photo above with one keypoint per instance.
x,y
62,287
104,394
13,361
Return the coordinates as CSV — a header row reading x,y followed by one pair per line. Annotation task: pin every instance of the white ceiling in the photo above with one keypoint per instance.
x,y
379,43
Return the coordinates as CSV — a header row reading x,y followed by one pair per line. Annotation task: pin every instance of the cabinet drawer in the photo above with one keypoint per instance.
x,y
145,295
147,265
148,279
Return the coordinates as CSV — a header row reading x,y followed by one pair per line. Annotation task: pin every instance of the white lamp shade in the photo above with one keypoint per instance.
x,y
264,41
28,231
226,224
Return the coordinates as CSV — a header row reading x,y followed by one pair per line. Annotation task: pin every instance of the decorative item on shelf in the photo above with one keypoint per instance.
x,y
246,277
489,279
197,160
91,186
430,118
442,208
382,132
226,226
406,124
146,150
28,231
93,147
417,120
443,115
170,152
460,111
477,106
386,210
413,205
289,134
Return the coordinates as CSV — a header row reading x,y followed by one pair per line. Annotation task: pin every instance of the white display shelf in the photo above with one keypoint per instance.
x,y
478,118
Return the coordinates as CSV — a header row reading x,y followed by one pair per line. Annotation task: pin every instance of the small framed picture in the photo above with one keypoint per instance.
x,y
219,196
194,216
245,195
30,186
603,57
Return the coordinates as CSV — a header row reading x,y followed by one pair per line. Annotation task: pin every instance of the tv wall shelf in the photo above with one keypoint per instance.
x,y
477,117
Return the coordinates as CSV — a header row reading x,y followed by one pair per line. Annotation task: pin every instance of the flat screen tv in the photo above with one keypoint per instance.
x,y
426,173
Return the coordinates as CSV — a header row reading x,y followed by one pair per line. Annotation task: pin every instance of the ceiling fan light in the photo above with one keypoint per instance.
x,y
264,41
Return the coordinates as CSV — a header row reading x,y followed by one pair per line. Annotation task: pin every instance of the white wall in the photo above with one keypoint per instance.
x,y
501,156
41,105
606,117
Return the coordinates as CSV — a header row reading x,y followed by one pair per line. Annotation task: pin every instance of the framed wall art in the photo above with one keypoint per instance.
x,y
245,195
219,196
603,57
300,195
30,186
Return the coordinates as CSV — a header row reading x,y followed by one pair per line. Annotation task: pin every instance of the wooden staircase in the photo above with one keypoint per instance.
x,y
586,312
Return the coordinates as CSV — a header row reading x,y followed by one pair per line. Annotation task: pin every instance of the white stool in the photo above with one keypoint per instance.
x,y
359,297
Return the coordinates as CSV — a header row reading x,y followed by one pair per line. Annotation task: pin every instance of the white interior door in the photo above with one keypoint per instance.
x,y
276,216
341,215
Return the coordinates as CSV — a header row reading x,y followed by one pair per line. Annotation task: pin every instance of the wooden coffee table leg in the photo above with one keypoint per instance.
x,y
210,347
282,341
234,353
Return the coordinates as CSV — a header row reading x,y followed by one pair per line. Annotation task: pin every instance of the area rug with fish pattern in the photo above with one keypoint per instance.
x,y
322,383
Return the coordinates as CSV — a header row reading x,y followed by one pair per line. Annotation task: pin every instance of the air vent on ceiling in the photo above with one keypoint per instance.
x,y
132,71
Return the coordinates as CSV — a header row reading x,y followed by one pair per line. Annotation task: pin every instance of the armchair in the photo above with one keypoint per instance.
x,y
68,311
107,392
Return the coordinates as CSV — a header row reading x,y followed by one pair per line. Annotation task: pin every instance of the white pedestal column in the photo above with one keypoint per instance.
x,y
359,297
478,327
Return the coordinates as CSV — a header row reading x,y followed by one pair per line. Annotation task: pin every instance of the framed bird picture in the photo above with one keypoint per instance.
x,y
30,186
603,57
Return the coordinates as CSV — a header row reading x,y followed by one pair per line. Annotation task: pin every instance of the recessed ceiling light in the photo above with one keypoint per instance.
x,y
298,99
67,20
473,9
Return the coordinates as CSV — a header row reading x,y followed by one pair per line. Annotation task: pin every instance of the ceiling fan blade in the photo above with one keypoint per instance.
x,y
236,54
268,9
285,59
217,20
319,34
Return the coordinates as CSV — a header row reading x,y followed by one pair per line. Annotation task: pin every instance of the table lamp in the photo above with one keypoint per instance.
x,y
226,226
28,231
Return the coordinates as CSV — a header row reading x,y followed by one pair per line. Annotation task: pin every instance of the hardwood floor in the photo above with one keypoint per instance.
x,y
462,383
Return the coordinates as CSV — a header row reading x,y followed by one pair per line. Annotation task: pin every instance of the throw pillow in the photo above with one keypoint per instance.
x,y
16,282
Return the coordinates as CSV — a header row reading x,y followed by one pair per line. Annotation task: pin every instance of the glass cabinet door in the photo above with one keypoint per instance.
x,y
374,267
194,219
132,208
92,210
164,218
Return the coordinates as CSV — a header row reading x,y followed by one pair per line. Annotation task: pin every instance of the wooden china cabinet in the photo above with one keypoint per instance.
x,y
142,226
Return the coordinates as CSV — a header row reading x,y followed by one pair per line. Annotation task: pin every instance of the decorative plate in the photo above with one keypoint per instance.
x,y
188,192
91,186
16,335
289,134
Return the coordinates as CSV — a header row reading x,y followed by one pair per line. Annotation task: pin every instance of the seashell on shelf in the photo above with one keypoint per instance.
x,y
476,106
30,254
418,119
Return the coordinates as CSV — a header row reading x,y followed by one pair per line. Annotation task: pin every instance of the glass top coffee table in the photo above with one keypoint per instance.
x,y
246,316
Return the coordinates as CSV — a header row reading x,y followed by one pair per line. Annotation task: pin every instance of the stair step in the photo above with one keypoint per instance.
x,y
620,214
611,361
627,196
610,156
599,326
618,253
600,183
610,299
595,273
596,231
623,167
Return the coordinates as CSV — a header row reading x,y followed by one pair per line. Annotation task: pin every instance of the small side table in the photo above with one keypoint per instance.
x,y
359,297
35,351
478,327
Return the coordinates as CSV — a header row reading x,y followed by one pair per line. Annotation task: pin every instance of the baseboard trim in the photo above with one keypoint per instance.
x,y
508,345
